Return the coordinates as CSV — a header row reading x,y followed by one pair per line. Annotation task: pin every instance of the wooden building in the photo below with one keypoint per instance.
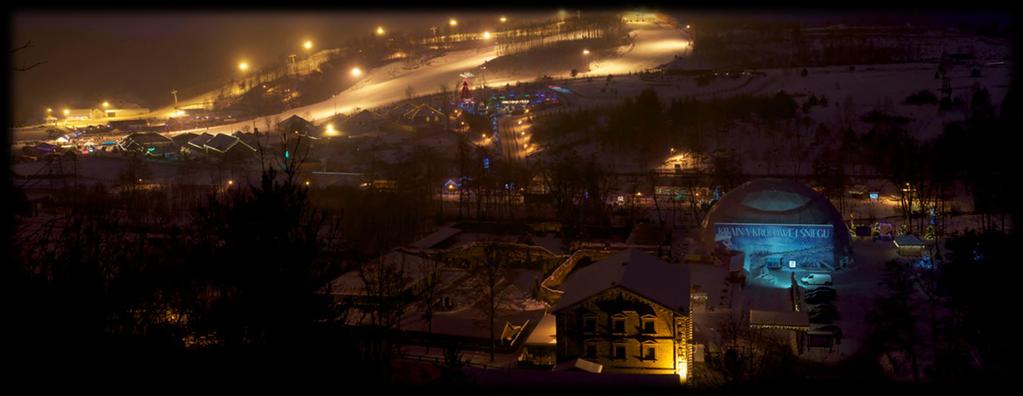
x,y
628,313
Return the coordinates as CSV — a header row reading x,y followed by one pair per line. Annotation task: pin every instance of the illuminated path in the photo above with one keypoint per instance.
x,y
653,45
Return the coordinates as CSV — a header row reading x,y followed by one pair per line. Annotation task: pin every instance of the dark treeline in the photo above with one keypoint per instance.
x,y
970,155
946,325
211,282
648,125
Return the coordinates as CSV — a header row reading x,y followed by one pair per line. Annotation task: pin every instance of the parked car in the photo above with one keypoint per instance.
x,y
816,279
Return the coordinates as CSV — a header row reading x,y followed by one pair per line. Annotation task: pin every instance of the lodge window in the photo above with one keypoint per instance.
x,y
650,352
618,323
590,324
591,351
619,351
648,325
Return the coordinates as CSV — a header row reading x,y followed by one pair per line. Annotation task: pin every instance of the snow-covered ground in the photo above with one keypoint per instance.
x,y
654,44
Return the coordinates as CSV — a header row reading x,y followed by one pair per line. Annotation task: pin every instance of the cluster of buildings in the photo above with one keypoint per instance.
x,y
627,308
103,112
221,146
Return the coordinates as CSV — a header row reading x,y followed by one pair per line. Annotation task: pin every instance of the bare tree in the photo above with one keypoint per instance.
x,y
490,273
28,44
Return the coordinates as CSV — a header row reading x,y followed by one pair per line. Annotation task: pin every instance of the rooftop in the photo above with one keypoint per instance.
x,y
634,270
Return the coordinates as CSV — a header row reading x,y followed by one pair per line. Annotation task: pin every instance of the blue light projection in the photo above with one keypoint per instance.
x,y
788,247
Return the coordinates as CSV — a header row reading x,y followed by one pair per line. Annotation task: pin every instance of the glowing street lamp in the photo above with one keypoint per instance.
x,y
687,26
356,72
308,45
504,19
453,22
330,131
380,30
486,35
243,66
106,104
586,51
66,112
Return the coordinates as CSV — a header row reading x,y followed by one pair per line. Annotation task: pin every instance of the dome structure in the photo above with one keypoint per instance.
x,y
780,220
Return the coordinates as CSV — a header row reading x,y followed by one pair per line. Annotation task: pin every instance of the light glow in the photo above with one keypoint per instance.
x,y
243,66
356,72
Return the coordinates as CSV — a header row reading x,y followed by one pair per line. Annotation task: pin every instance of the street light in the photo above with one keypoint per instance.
x,y
380,30
66,112
243,66
486,35
586,51
106,104
453,22
308,45
356,71
504,19
330,131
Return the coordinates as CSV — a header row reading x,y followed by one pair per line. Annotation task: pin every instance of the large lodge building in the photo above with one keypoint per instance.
x,y
628,314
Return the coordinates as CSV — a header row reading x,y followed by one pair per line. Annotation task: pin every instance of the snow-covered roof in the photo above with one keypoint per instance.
x,y
183,138
545,332
295,123
778,319
147,138
413,113
439,236
636,271
222,142
414,268
201,140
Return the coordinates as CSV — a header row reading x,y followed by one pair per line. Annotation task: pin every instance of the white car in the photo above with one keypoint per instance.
x,y
816,279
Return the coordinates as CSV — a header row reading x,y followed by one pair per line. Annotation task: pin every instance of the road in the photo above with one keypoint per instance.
x,y
515,137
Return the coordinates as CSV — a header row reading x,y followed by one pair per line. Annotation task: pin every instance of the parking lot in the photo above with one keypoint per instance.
x,y
856,289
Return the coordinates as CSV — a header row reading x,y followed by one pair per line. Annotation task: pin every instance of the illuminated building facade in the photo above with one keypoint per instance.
x,y
629,314
779,225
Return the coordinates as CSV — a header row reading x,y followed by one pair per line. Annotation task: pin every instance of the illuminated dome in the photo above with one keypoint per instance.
x,y
776,201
